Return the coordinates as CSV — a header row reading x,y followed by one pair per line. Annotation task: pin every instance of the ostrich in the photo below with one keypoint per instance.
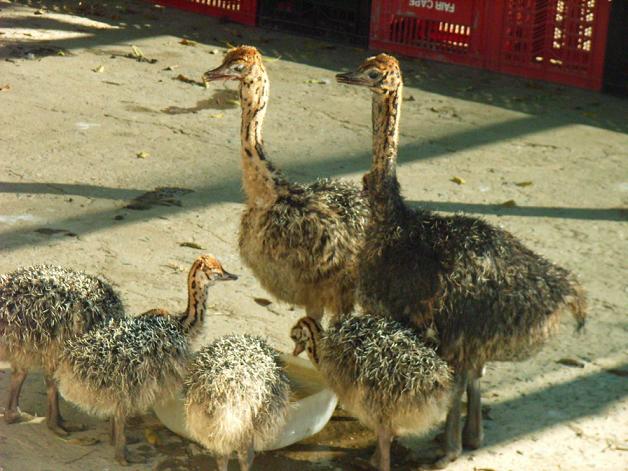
x,y
236,396
299,240
485,295
40,308
382,373
122,368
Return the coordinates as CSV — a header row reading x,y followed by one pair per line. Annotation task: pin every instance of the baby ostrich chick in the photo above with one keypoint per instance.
x,y
237,396
381,372
40,308
485,295
300,240
121,369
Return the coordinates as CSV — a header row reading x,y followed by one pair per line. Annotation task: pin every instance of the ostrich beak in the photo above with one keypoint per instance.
x,y
352,78
298,348
217,74
226,276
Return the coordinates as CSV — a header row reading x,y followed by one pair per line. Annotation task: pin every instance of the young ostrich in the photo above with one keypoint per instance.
x,y
486,295
237,395
40,308
381,372
299,240
121,369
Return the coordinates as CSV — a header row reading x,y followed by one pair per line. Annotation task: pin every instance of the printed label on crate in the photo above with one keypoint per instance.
x,y
457,11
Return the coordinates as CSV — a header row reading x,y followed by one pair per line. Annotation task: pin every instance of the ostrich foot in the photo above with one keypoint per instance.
x,y
472,439
70,428
127,458
443,462
60,428
82,441
17,416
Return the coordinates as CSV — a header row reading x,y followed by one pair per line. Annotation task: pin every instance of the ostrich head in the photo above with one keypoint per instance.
x,y
305,334
239,63
381,73
207,268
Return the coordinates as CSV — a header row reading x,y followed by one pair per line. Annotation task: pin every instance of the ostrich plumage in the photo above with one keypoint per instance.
x,y
124,367
237,395
382,372
40,308
475,288
300,240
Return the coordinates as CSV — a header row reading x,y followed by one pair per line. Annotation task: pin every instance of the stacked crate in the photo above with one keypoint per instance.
x,y
556,40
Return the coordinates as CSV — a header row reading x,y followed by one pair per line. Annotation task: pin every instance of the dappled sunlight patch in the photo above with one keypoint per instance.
x,y
50,26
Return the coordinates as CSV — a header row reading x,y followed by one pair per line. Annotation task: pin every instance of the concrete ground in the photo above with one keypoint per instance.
x,y
87,131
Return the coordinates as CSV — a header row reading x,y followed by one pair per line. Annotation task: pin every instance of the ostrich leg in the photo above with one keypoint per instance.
x,y
452,444
245,457
12,413
473,434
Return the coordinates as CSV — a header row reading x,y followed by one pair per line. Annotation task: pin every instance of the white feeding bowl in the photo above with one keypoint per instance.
x,y
313,406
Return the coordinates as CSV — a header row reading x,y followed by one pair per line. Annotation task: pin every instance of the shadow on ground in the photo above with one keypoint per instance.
x,y
345,444
546,106
133,20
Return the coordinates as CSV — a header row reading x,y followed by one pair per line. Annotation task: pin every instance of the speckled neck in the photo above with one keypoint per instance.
x,y
381,182
314,332
260,178
198,287
386,111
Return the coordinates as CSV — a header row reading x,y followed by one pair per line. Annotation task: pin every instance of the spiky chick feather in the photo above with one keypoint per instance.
x,y
237,394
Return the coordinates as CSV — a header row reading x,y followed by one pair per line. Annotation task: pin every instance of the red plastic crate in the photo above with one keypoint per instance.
x,y
558,40
449,31
240,11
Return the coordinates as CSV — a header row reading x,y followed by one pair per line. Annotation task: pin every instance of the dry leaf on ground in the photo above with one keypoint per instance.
x,y
186,79
176,267
152,437
618,372
319,81
142,155
262,301
192,245
137,52
574,362
577,430
139,55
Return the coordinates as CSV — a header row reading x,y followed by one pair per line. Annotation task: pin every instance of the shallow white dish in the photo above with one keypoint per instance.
x,y
313,406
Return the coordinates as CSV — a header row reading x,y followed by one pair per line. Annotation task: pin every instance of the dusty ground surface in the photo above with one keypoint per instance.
x,y
77,112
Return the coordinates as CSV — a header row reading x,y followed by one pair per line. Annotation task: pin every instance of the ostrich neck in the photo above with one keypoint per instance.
x,y
386,109
197,301
314,341
254,92
381,182
260,178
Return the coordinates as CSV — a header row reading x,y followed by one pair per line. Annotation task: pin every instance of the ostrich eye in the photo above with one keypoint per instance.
x,y
374,74
238,67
